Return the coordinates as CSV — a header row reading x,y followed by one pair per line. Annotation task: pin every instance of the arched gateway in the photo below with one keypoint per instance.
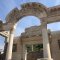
x,y
46,15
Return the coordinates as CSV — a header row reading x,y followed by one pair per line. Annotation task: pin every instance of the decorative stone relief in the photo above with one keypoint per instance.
x,y
4,33
13,16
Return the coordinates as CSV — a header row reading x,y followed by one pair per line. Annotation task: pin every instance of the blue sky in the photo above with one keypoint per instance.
x,y
7,5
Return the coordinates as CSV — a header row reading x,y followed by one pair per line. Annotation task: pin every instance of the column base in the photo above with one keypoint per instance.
x,y
45,59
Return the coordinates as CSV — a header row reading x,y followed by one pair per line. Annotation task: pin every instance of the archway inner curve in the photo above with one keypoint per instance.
x,y
26,22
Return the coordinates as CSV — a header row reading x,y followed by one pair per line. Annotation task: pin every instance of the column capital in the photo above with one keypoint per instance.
x,y
44,24
13,28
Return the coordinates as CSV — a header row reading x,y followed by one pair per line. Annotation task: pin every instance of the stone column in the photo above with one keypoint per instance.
x,y
46,46
10,44
32,47
21,47
26,54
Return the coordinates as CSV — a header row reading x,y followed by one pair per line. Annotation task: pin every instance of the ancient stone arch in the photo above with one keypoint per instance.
x,y
47,15
35,9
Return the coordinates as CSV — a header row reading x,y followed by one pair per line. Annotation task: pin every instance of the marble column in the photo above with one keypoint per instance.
x,y
10,44
21,47
46,46
32,47
26,54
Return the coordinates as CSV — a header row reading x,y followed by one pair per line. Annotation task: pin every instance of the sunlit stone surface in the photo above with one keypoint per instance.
x,y
40,35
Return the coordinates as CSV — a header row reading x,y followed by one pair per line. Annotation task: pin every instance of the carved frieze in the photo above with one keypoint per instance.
x,y
54,11
33,6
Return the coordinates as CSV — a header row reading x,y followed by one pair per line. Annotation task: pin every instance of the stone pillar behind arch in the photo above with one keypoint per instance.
x,y
10,44
46,46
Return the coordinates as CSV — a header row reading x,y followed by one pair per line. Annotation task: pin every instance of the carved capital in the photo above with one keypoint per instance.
x,y
44,24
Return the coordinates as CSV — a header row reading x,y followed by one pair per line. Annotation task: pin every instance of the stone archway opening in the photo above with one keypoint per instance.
x,y
26,22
